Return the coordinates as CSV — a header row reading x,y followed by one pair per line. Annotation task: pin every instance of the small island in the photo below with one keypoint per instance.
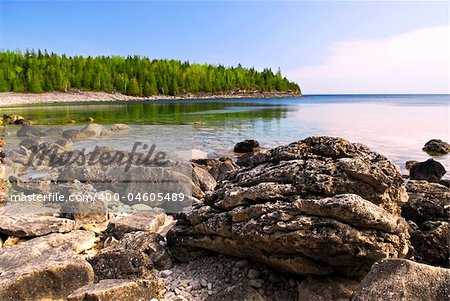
x,y
33,77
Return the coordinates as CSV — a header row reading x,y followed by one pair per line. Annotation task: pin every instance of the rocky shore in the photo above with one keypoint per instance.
x,y
12,99
318,219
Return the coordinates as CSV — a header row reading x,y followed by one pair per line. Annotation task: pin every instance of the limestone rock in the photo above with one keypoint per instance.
x,y
154,221
400,279
288,210
220,169
149,244
428,213
119,127
30,132
32,225
202,178
427,202
45,268
116,290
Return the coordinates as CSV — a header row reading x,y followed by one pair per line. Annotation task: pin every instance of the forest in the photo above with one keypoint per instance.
x,y
37,72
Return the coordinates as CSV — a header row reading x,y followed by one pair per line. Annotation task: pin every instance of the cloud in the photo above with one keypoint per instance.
x,y
412,62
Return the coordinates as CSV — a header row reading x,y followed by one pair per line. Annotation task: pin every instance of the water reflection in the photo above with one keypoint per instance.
x,y
395,125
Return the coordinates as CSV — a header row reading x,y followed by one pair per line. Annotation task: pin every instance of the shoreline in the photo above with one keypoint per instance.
x,y
8,99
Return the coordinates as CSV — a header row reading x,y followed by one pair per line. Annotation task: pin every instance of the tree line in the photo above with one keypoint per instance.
x,y
38,72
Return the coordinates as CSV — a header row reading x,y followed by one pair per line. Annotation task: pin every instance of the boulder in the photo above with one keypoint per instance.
x,y
149,244
119,127
202,178
436,147
428,213
430,170
45,268
430,242
30,132
28,143
116,290
93,128
400,279
246,146
427,202
54,132
318,206
220,169
32,225
154,221
119,263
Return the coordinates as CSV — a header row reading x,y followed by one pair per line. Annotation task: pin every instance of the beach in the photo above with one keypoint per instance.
x,y
12,99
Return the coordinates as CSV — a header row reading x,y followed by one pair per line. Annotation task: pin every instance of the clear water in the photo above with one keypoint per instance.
x,y
397,126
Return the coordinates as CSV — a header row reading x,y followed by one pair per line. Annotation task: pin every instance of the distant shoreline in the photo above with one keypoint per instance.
x,y
13,99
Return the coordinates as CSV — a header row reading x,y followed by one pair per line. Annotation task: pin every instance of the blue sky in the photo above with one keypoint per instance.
x,y
291,35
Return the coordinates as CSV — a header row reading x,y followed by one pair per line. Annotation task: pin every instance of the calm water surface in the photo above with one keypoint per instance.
x,y
397,126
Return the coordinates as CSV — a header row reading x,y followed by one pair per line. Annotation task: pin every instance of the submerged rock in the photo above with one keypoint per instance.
x,y
116,290
436,147
30,132
317,206
246,146
400,279
430,170
119,127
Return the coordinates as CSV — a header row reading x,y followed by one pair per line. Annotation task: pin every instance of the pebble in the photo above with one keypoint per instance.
x,y
210,293
204,283
166,273
253,274
256,283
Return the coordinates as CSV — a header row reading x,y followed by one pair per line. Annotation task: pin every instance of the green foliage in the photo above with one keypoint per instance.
x,y
42,72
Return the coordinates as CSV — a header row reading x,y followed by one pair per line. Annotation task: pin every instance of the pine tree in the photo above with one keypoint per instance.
x,y
134,87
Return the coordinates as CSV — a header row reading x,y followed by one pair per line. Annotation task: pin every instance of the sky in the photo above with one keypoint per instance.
x,y
327,47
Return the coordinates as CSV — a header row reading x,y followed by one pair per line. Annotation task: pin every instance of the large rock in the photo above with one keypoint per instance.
x,y
202,178
246,146
45,267
428,213
116,290
29,131
317,206
118,263
436,147
399,279
220,169
149,244
154,221
430,170
427,202
32,225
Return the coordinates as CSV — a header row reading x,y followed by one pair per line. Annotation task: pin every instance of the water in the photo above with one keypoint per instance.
x,y
397,126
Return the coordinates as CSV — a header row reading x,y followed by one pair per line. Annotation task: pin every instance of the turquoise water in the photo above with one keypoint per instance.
x,y
395,125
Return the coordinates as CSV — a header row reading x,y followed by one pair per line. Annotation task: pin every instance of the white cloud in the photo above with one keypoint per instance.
x,y
412,62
